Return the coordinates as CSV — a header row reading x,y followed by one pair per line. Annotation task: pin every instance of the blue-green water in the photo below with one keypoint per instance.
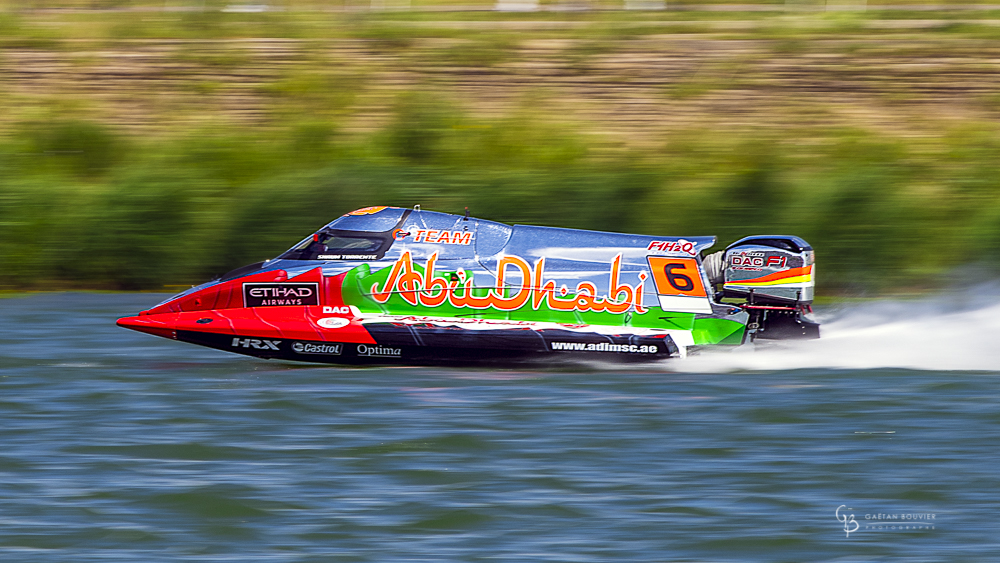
x,y
119,446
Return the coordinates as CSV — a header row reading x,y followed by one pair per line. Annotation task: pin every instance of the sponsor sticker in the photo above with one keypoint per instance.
x,y
532,289
368,210
333,322
441,237
673,247
756,261
347,257
374,351
334,310
256,343
679,285
310,348
605,347
280,294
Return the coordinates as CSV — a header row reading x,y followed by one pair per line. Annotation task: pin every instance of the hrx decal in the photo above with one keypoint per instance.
x,y
258,343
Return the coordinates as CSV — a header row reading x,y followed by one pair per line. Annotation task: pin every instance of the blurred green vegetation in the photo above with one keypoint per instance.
x,y
93,199
85,206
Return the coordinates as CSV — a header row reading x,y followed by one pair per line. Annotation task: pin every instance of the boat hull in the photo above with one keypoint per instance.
x,y
410,346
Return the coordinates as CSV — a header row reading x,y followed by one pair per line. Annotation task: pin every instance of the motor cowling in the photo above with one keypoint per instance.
x,y
768,269
774,276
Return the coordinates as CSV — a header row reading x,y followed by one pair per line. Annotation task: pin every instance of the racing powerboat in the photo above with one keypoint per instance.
x,y
388,285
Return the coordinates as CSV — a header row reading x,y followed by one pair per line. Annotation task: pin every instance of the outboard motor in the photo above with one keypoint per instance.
x,y
775,275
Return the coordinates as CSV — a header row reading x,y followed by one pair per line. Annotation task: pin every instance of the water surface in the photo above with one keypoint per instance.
x,y
118,445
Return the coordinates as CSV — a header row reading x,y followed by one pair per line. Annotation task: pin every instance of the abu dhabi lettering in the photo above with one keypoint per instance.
x,y
429,290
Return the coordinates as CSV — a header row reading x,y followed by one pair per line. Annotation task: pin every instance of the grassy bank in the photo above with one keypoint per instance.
x,y
138,152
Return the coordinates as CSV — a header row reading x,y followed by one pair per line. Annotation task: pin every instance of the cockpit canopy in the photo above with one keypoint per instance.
x,y
376,233
332,245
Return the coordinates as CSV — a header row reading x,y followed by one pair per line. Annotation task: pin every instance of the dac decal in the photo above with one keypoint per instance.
x,y
756,261
278,294
345,310
431,291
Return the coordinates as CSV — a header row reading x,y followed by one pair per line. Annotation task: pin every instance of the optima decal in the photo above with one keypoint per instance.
x,y
368,351
430,291
280,294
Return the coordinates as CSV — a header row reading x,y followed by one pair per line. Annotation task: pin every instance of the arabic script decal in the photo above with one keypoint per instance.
x,y
429,290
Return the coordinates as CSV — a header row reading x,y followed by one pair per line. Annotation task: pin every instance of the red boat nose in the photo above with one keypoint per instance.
x,y
150,325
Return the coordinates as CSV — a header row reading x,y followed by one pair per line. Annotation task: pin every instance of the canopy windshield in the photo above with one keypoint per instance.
x,y
338,246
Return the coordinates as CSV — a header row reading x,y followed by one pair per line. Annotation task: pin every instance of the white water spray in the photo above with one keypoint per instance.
x,y
950,332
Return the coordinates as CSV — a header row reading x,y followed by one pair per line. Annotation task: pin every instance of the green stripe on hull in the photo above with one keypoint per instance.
x,y
358,283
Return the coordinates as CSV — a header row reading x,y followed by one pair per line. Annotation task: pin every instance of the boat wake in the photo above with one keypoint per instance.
x,y
945,332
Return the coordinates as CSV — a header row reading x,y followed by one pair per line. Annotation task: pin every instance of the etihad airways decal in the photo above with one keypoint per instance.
x,y
278,294
429,290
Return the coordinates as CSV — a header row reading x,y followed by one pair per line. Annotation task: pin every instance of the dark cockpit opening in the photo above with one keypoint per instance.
x,y
340,245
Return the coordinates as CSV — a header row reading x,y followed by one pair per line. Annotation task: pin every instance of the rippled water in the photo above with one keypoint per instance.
x,y
122,446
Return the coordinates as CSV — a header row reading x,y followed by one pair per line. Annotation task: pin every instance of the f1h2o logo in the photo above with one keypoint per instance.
x,y
847,520
259,344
